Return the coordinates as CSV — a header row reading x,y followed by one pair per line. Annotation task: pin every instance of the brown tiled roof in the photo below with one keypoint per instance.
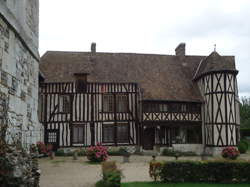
x,y
161,77
215,62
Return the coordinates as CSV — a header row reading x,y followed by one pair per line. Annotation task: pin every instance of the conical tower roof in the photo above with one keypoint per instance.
x,y
215,63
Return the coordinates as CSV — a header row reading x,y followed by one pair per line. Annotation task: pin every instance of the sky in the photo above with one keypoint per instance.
x,y
150,26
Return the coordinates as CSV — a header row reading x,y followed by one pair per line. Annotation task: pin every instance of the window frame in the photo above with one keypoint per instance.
x,y
118,99
65,104
108,99
83,133
115,131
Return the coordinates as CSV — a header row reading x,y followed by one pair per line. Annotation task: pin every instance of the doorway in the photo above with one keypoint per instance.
x,y
149,138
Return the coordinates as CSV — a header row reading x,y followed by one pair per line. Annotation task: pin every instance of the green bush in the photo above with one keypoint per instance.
x,y
115,152
213,171
243,146
112,178
60,152
111,175
245,132
169,152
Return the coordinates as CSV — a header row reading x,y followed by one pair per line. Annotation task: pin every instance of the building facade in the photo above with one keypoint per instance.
x,y
149,101
19,68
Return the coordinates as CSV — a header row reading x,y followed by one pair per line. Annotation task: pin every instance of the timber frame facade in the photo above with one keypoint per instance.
x,y
139,100
66,109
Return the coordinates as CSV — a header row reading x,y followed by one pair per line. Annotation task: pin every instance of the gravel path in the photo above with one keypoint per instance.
x,y
65,172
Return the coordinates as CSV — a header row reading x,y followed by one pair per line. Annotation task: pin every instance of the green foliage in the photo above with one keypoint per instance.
x,y
112,178
6,168
60,152
169,152
245,112
245,132
115,152
213,171
243,146
158,184
111,175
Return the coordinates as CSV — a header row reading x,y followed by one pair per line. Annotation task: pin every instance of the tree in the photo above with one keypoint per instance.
x,y
245,112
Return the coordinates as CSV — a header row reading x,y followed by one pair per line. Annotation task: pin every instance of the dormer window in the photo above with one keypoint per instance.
x,y
81,82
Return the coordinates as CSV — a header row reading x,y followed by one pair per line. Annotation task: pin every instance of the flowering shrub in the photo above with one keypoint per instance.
x,y
97,153
155,169
230,152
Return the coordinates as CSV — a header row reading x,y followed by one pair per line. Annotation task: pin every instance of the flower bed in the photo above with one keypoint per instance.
x,y
230,152
97,153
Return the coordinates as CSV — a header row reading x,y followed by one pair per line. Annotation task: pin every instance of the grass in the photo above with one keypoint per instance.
x,y
153,184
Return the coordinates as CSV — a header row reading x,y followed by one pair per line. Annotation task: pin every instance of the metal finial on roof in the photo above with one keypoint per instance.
x,y
214,47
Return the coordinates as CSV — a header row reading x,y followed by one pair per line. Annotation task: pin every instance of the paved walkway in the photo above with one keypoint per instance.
x,y
65,172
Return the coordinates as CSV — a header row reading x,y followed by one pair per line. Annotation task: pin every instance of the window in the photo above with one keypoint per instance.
x,y
163,107
108,133
183,108
4,78
121,103
122,133
194,135
108,103
65,104
81,82
175,107
78,134
195,108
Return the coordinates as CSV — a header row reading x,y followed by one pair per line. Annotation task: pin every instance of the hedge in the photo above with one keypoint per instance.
x,y
200,171
245,132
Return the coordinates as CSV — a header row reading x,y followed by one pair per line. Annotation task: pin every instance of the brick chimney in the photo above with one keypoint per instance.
x,y
180,49
93,47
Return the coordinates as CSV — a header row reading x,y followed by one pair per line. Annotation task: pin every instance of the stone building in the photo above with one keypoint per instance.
x,y
151,101
19,67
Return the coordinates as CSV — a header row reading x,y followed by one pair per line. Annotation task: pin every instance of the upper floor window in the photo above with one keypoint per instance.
x,y
121,103
109,101
81,82
65,104
163,107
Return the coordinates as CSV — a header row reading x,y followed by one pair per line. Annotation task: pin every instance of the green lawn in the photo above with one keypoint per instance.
x,y
151,184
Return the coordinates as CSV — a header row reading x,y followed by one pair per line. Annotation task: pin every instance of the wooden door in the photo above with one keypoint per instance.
x,y
149,138
53,139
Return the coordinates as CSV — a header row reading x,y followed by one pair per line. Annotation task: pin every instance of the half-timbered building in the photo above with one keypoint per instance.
x,y
144,100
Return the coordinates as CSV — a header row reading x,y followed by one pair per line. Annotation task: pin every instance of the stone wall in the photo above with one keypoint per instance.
x,y
19,68
17,168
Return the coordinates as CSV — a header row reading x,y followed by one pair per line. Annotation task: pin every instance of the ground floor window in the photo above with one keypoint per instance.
x,y
120,132
183,135
78,134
